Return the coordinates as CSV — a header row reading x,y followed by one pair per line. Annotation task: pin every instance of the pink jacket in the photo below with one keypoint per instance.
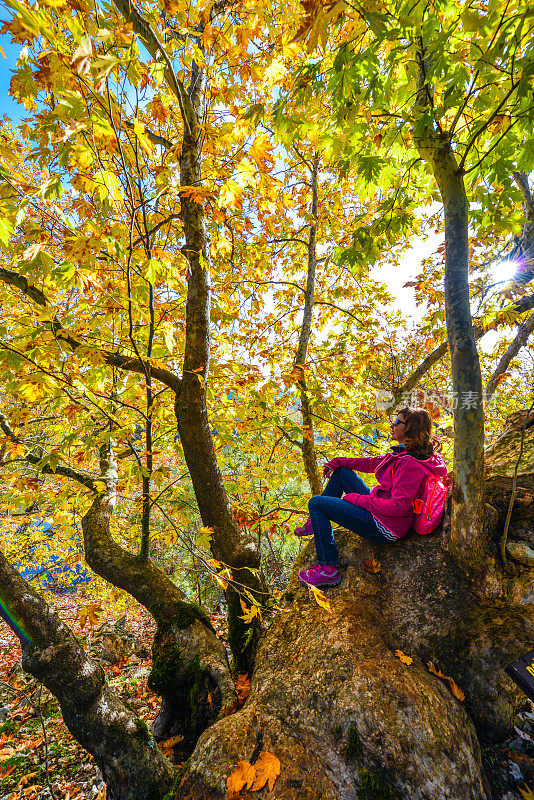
x,y
400,477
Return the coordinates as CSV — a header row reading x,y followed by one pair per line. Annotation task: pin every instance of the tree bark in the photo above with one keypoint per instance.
x,y
467,540
331,701
121,744
308,439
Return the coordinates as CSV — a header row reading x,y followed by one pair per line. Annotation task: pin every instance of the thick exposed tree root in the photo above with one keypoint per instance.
x,y
332,701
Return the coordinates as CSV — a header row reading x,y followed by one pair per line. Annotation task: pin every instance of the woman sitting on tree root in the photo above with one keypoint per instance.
x,y
383,514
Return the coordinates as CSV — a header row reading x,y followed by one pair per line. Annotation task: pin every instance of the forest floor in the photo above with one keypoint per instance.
x,y
40,760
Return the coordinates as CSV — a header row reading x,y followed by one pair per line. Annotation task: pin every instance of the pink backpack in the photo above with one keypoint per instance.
x,y
430,506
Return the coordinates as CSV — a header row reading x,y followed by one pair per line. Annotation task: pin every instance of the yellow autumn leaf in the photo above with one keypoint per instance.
x,y
526,793
404,658
144,141
260,152
320,598
31,391
248,613
267,770
243,775
231,195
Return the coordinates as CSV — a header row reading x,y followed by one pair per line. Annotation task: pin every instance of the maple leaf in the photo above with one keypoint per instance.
x,y
81,60
260,152
267,770
89,615
373,566
248,613
320,598
404,658
198,194
243,775
231,195
242,688
455,689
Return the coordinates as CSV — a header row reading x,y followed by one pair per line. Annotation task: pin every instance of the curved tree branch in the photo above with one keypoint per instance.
x,y
127,363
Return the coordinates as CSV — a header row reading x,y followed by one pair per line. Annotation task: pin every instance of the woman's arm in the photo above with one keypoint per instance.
x,y
406,484
360,464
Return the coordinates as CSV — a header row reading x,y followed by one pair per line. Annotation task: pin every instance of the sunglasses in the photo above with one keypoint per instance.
x,y
397,422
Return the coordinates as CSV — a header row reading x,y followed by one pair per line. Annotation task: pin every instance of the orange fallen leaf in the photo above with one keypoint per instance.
x,y
5,771
455,689
242,688
404,658
243,775
373,566
27,778
267,770
168,744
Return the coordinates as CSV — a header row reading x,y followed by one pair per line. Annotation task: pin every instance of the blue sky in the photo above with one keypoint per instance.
x,y
7,105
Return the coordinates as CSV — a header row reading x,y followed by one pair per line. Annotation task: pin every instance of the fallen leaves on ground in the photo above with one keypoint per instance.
x,y
70,768
372,566
320,598
455,689
254,776
403,657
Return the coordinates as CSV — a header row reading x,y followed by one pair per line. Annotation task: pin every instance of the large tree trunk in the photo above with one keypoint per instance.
x,y
467,540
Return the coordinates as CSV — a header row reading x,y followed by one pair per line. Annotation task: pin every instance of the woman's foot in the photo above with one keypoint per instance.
x,y
305,530
320,575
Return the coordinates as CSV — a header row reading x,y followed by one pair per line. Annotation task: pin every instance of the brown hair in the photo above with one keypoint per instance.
x,y
419,440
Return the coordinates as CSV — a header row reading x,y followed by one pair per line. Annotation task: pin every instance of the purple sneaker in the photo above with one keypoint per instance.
x,y
306,529
320,575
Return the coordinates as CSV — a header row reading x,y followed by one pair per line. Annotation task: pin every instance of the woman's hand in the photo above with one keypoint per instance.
x,y
330,466
352,497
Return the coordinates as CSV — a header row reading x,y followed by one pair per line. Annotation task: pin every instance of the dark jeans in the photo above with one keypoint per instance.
x,y
329,507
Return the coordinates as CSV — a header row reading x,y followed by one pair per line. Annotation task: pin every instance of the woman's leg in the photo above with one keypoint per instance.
x,y
324,510
343,481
